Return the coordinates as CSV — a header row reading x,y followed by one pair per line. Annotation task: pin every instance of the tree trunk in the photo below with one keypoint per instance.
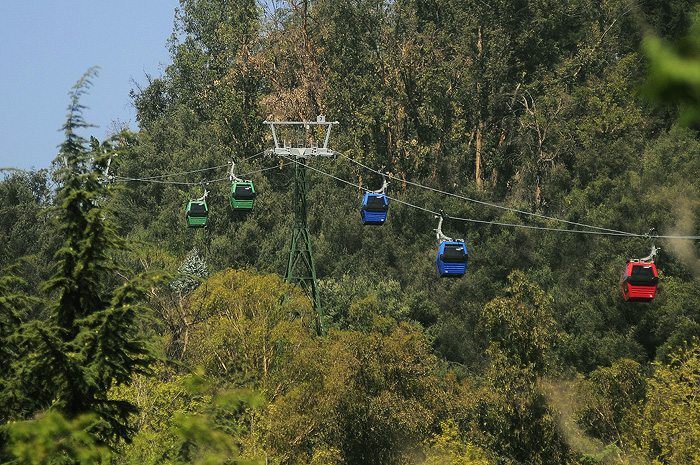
x,y
478,141
480,124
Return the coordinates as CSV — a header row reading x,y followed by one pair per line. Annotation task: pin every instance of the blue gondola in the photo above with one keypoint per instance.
x,y
452,258
452,255
374,208
375,205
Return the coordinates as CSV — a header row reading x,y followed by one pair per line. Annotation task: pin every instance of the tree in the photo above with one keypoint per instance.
x,y
191,273
673,71
447,448
244,322
212,74
293,66
52,438
518,423
521,326
609,401
89,343
215,433
355,398
23,196
668,430
13,308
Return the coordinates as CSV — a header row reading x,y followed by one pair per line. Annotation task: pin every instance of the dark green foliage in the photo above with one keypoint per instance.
x,y
530,105
89,343
22,198
673,68
13,307
56,440
24,226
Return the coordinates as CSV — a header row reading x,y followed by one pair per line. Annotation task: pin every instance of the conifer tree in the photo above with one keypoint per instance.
x,y
191,273
11,307
89,341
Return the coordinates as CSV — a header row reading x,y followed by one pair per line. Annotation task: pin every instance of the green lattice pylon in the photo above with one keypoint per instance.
x,y
301,269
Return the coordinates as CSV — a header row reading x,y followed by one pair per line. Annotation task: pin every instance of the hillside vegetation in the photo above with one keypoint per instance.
x,y
559,138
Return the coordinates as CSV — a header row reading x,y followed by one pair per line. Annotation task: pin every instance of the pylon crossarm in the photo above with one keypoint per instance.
x,y
285,149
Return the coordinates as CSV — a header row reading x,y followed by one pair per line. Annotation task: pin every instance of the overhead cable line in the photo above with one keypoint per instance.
x,y
159,179
493,205
599,231
595,230
178,183
185,173
171,175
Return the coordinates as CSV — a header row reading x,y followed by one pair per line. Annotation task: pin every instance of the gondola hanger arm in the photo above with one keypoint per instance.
x,y
653,249
232,176
203,198
385,183
441,237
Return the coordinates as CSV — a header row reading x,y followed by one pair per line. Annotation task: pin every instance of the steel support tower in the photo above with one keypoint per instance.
x,y
300,268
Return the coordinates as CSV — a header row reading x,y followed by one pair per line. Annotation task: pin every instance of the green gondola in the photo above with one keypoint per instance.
x,y
197,213
242,196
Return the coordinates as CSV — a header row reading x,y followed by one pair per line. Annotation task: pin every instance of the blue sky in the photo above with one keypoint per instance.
x,y
47,45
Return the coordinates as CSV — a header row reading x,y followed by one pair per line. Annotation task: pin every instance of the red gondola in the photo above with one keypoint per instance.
x,y
639,281
640,278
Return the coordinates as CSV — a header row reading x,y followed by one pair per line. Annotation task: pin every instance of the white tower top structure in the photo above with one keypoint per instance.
x,y
305,147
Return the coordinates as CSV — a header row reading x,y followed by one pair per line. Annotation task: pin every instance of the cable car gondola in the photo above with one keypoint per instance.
x,y
452,256
374,208
640,278
242,194
639,282
197,212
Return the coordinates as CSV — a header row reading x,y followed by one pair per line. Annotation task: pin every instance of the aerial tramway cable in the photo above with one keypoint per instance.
x,y
452,257
158,179
595,229
155,179
592,230
481,202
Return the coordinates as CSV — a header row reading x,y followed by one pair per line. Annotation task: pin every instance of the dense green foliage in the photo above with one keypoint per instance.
x,y
501,113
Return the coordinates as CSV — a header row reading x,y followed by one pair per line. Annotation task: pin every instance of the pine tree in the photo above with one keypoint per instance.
x,y
191,273
89,342
12,305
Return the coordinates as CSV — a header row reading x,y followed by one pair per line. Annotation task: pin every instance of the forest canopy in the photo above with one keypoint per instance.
x,y
557,138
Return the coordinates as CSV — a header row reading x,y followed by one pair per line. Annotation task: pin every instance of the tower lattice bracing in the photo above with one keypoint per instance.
x,y
300,268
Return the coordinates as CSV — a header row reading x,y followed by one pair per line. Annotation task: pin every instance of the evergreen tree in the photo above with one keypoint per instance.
x,y
191,273
88,343
11,308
